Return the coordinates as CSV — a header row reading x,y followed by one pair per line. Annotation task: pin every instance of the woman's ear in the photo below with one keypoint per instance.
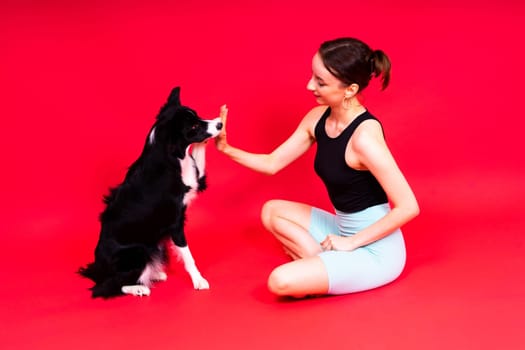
x,y
351,90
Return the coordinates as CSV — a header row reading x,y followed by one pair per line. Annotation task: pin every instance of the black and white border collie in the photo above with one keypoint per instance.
x,y
148,208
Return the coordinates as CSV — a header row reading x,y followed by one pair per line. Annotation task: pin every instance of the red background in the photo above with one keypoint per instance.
x,y
81,83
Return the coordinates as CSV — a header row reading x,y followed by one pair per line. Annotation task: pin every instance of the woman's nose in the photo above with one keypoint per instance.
x,y
310,86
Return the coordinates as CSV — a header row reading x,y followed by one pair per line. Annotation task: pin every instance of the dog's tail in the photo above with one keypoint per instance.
x,y
92,271
105,285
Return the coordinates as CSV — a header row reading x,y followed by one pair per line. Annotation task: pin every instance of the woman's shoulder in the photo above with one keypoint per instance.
x,y
367,134
318,110
315,113
369,123
312,117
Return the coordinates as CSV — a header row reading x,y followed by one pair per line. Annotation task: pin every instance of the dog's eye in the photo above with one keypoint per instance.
x,y
194,126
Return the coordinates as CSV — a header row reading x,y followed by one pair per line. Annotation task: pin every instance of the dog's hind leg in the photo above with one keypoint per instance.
x,y
199,282
153,272
144,282
136,270
138,290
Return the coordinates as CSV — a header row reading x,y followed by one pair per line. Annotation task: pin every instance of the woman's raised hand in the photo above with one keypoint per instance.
x,y
220,140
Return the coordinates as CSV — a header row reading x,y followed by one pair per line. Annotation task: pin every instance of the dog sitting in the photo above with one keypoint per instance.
x,y
148,208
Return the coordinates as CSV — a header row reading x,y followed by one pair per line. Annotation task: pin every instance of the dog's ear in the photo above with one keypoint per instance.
x,y
171,104
174,98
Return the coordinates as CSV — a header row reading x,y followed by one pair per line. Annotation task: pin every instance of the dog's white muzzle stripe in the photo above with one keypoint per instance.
x,y
214,126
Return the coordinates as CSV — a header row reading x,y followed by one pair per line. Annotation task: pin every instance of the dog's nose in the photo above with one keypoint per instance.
x,y
219,126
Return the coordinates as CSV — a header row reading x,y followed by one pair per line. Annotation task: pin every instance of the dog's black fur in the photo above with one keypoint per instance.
x,y
148,208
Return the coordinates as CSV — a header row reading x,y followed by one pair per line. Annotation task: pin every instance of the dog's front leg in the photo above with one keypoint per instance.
x,y
199,282
183,251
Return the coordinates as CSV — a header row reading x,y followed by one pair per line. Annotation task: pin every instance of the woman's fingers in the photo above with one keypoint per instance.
x,y
220,140
223,115
327,243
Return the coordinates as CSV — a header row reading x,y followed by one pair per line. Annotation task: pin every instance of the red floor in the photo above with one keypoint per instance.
x,y
80,85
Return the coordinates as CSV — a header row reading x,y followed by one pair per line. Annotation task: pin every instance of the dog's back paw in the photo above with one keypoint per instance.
x,y
138,290
160,277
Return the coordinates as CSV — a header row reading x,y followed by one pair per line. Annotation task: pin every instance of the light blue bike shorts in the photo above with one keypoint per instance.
x,y
364,268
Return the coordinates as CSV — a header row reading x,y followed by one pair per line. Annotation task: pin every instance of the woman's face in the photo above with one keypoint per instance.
x,y
326,87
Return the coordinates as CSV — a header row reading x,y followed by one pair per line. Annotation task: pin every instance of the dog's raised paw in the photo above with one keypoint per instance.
x,y
138,290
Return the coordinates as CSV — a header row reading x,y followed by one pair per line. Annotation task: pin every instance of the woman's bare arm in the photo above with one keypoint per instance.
x,y
296,145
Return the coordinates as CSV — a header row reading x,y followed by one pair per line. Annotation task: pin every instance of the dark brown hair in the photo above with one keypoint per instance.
x,y
354,62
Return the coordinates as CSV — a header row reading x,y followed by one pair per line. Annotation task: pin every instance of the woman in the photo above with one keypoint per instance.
x,y
360,247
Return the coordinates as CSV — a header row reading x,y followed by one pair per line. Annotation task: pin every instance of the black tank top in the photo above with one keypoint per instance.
x,y
349,190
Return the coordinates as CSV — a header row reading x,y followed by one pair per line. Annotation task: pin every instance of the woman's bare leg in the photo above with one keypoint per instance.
x,y
299,278
289,223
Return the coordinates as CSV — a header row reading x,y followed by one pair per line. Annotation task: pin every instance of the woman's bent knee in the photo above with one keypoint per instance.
x,y
299,278
266,213
278,283
269,211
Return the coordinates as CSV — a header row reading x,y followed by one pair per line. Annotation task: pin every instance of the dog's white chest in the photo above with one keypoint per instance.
x,y
189,178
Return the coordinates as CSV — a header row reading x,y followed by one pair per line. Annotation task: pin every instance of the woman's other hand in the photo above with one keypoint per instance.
x,y
335,242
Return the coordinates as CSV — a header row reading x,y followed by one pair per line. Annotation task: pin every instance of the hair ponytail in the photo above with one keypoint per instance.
x,y
352,61
380,65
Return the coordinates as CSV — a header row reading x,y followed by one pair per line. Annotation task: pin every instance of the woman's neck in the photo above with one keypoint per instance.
x,y
346,115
